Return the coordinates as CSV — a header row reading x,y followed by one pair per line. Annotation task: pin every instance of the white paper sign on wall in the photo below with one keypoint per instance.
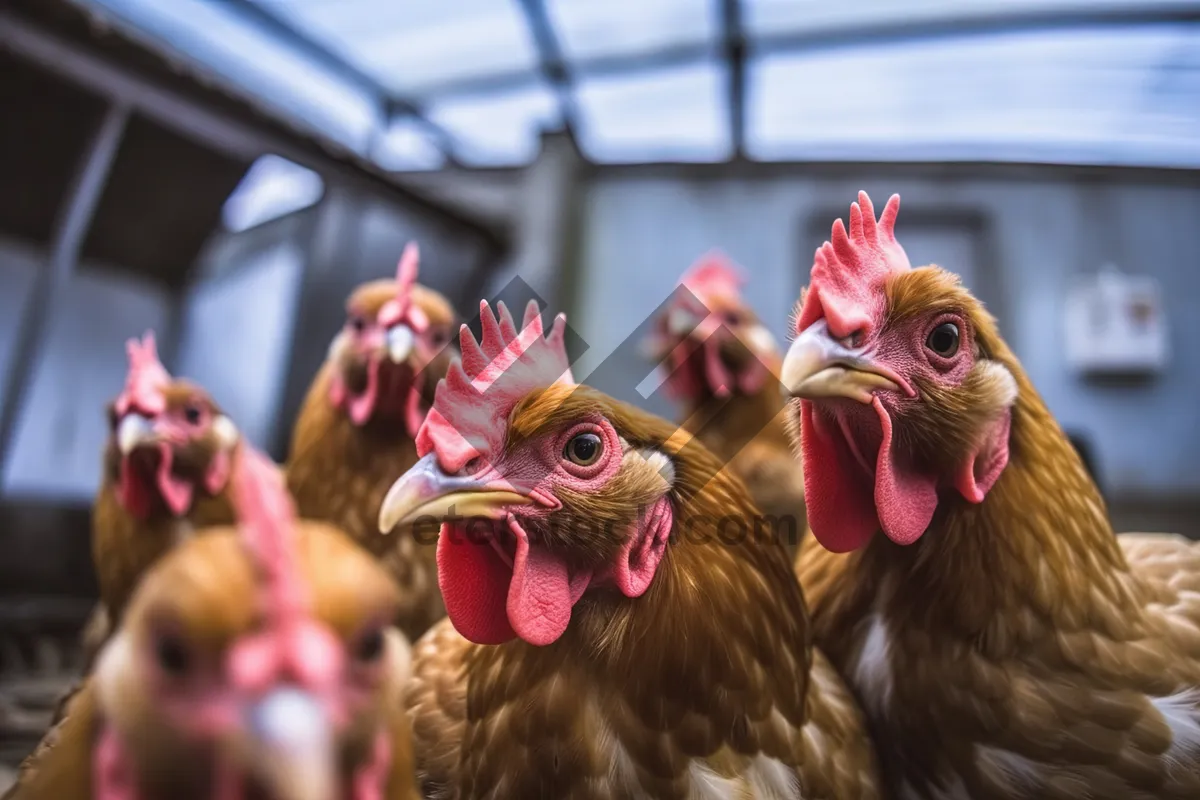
x,y
1116,324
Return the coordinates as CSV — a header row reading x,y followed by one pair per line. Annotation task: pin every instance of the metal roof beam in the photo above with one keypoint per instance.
x,y
390,105
552,64
734,50
70,231
198,122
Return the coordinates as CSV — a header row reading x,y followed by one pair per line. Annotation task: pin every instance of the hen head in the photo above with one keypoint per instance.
x,y
392,346
168,438
544,491
903,387
708,339
255,662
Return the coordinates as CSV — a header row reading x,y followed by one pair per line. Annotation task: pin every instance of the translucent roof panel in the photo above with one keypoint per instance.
x,y
412,45
1075,96
225,42
777,18
498,129
667,115
406,145
271,188
594,29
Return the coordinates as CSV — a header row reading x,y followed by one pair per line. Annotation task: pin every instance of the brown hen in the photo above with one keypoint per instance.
x,y
610,633
252,663
167,464
355,431
1003,642
722,364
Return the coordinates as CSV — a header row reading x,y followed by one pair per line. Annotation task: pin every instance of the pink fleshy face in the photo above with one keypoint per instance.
x,y
212,704
860,476
709,361
695,336
167,456
382,355
281,674
521,575
521,570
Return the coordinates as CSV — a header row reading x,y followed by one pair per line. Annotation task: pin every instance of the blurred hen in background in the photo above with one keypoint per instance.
x,y
723,364
167,467
253,662
356,428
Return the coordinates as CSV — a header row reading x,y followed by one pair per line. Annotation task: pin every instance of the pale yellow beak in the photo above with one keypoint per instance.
x,y
817,366
399,340
133,432
289,746
425,491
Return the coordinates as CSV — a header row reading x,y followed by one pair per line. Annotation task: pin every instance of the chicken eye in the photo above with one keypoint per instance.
x,y
172,655
583,449
192,414
370,647
357,324
943,340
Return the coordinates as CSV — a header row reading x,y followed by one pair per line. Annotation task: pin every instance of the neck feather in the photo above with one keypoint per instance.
x,y
1041,541
719,590
734,420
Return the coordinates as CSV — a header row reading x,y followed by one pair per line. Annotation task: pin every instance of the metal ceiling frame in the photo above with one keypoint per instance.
x,y
66,243
964,23
551,62
127,93
392,107
735,47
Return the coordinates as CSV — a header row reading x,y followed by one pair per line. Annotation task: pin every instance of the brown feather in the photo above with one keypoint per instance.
x,y
123,546
1018,649
702,681
748,432
60,767
340,473
207,587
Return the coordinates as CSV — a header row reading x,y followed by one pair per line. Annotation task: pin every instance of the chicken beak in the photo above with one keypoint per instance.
x,y
427,491
289,746
399,342
133,432
681,322
818,366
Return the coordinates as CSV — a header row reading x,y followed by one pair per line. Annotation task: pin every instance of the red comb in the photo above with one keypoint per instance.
x,y
849,270
291,644
146,379
714,273
400,308
267,521
472,402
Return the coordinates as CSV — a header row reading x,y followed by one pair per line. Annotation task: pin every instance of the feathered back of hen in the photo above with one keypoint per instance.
x,y
146,379
849,271
471,403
